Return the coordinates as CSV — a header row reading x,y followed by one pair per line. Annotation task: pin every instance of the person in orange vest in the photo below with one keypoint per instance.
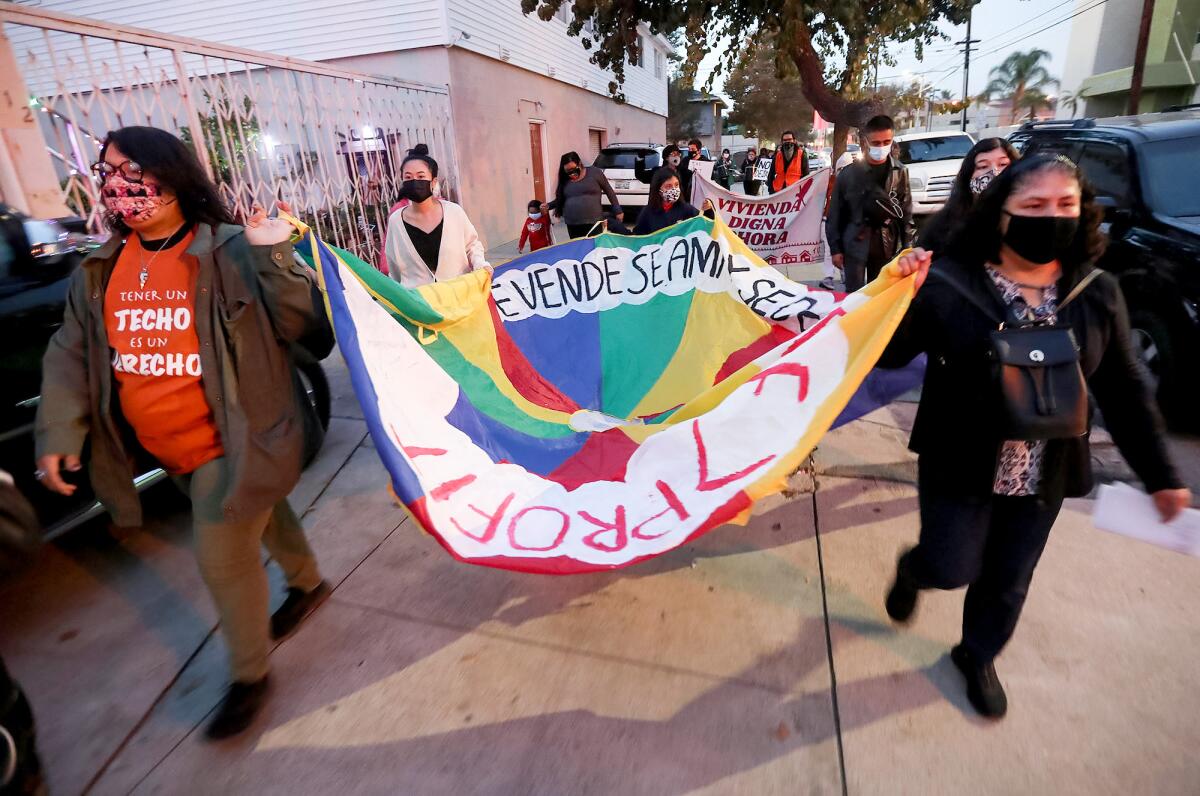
x,y
790,164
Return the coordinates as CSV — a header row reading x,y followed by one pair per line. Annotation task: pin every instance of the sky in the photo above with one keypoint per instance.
x,y
1003,26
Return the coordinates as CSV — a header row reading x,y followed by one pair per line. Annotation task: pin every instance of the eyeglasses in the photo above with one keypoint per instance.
x,y
128,169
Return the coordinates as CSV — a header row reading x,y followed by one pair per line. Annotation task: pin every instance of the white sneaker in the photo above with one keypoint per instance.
x,y
828,283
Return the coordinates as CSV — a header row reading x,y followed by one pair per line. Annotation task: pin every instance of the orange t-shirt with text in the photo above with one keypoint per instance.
x,y
156,354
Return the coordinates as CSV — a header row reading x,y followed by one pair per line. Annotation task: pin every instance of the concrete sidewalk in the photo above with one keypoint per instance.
x,y
503,252
755,660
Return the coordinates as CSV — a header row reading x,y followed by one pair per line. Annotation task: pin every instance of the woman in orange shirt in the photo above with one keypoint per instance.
x,y
184,318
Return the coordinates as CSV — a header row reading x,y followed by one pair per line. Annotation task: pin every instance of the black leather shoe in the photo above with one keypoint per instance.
x,y
902,599
237,710
984,691
298,605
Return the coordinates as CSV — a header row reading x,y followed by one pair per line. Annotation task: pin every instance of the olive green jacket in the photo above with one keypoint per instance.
x,y
250,303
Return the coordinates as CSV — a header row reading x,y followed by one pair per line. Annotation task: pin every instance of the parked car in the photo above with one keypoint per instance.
x,y
817,159
1146,172
933,160
617,161
853,152
37,259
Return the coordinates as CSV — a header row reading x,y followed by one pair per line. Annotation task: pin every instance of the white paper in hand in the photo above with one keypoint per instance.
x,y
1130,512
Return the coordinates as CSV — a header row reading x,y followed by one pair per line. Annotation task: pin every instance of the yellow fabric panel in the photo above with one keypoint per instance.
x,y
868,328
475,338
717,325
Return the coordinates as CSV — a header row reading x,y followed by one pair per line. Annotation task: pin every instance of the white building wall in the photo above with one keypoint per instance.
x,y
311,29
1082,49
498,29
321,30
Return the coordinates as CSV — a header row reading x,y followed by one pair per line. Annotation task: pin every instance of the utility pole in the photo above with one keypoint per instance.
x,y
1139,58
967,43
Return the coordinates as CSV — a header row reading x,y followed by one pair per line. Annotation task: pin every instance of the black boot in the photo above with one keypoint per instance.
x,y
984,691
298,605
237,710
902,599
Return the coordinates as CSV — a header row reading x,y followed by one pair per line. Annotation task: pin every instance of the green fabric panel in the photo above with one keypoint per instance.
x,y
475,383
406,299
481,391
653,330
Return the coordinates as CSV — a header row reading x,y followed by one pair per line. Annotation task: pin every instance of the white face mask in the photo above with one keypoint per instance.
x,y
879,153
674,160
670,195
535,216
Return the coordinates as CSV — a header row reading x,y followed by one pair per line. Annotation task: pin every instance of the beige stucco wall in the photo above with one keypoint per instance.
x,y
493,103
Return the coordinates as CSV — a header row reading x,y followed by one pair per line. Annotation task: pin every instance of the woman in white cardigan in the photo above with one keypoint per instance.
x,y
430,240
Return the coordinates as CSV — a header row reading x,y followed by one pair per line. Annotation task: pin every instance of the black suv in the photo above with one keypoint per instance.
x,y
1146,172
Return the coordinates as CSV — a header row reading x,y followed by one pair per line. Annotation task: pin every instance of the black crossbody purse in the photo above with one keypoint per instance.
x,y
1037,370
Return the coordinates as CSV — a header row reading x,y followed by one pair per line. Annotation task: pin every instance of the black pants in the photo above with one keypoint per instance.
x,y
582,230
854,274
988,544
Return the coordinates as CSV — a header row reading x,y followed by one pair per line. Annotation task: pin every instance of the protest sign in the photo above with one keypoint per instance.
x,y
782,228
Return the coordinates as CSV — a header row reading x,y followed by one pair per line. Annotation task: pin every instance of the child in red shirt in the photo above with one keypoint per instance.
x,y
536,230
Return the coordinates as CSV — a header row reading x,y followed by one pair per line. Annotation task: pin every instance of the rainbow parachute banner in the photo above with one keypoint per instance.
x,y
599,402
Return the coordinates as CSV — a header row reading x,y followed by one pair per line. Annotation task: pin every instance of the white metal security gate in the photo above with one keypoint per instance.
x,y
327,140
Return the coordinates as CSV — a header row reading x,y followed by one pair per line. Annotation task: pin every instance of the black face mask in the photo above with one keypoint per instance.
x,y
574,172
1040,239
416,190
789,149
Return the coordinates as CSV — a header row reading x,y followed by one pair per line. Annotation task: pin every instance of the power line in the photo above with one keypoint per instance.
x,y
1031,19
938,80
1043,30
958,50
951,59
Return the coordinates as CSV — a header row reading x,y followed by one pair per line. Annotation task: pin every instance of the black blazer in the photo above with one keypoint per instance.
x,y
957,433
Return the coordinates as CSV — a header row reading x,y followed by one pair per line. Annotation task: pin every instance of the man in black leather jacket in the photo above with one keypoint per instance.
x,y
870,214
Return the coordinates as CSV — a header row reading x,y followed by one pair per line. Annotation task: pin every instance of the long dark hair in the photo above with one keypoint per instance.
x,y
661,175
977,240
176,168
947,220
560,192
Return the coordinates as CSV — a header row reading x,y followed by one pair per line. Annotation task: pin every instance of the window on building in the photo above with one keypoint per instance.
x,y
595,144
659,58
641,51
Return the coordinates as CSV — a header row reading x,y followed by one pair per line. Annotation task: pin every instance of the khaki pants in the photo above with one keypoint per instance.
x,y
230,560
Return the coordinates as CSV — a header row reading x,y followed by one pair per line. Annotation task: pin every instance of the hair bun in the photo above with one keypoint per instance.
x,y
419,149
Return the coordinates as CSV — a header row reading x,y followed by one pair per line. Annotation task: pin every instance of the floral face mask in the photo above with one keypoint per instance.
x,y
132,201
671,195
978,184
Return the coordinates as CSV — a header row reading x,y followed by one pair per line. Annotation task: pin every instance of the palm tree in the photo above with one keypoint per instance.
x,y
1018,74
1034,100
1070,101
